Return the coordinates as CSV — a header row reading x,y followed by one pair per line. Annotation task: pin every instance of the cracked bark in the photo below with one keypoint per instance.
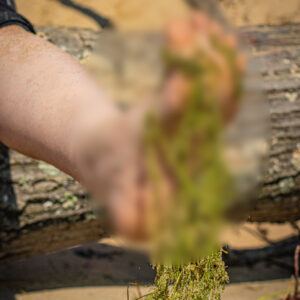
x,y
42,209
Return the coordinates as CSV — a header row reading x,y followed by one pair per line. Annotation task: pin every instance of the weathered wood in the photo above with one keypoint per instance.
x,y
42,209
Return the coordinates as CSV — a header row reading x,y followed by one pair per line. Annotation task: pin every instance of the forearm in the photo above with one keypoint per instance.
x,y
45,96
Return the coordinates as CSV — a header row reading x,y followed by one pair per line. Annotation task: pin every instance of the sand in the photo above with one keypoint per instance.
x,y
152,15
244,291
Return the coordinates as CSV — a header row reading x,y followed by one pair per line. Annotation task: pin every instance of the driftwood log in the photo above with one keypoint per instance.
x,y
42,209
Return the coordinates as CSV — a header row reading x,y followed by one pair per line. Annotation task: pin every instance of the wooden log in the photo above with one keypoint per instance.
x,y
42,209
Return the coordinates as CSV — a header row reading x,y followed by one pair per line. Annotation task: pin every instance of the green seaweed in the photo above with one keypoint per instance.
x,y
201,280
188,262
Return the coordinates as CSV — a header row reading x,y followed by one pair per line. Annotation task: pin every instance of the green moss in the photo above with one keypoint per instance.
x,y
69,200
22,181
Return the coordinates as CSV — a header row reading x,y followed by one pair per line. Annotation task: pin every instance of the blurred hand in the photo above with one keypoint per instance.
x,y
113,165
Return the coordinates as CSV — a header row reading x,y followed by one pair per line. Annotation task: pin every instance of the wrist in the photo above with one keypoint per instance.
x,y
89,144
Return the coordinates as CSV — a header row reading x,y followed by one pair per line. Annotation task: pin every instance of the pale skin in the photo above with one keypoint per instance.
x,y
52,110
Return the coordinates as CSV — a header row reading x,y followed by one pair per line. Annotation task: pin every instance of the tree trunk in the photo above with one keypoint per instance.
x,y
42,209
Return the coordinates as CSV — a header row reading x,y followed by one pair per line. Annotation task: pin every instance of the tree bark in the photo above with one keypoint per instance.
x,y
42,209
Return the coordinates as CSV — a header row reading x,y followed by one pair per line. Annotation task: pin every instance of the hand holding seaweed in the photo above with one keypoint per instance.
x,y
185,145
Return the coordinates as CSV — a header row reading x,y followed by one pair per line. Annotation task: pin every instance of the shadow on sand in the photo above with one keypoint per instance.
x,y
100,20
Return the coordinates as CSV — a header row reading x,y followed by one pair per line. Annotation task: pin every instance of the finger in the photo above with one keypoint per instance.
x,y
180,37
174,94
128,208
200,22
205,25
241,62
230,41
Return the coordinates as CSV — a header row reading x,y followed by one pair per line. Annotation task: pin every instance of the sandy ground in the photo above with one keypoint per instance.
x,y
244,291
152,15
254,235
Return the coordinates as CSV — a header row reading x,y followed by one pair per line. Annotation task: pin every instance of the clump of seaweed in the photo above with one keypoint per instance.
x,y
188,147
201,280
